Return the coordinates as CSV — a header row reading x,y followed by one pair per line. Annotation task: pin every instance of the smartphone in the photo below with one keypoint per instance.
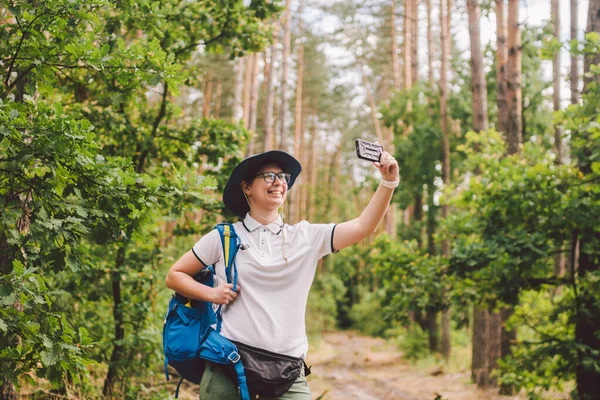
x,y
368,151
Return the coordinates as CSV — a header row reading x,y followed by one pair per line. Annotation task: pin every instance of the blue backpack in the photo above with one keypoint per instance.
x,y
189,338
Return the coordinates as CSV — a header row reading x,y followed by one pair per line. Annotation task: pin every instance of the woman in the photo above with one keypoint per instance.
x,y
276,263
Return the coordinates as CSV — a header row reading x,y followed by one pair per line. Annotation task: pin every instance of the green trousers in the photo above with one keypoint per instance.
x,y
214,385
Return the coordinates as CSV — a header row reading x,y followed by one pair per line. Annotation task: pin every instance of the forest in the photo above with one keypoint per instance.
x,y
120,122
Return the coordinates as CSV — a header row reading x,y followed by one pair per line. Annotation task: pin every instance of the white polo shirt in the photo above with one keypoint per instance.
x,y
269,312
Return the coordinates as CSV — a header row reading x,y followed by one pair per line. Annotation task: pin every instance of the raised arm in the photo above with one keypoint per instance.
x,y
350,232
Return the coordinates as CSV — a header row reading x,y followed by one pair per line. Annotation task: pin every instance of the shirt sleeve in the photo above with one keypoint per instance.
x,y
208,249
320,237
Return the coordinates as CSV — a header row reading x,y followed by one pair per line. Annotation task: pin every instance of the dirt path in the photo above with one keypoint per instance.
x,y
349,366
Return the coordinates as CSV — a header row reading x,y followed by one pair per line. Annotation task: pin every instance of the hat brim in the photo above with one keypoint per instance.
x,y
234,198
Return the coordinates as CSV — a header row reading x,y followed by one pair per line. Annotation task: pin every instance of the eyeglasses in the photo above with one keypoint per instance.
x,y
269,177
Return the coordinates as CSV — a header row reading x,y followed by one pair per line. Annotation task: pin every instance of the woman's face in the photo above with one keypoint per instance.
x,y
267,194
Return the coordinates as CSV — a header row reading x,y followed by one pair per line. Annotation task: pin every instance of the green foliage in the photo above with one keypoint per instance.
x,y
413,342
367,314
84,182
326,291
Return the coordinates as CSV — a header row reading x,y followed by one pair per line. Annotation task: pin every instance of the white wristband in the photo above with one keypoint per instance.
x,y
389,184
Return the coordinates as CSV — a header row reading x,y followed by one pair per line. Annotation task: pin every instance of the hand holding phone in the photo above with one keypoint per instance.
x,y
368,151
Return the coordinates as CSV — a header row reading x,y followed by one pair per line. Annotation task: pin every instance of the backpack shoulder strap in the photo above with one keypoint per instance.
x,y
231,244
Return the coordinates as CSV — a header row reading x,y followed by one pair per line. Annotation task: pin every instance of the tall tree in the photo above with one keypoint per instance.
x,y
555,21
270,95
501,60
408,21
283,105
414,58
593,25
238,89
514,122
574,57
253,110
295,204
429,44
587,323
445,7
394,47
486,324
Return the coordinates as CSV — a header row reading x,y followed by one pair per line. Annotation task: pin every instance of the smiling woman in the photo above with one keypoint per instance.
x,y
265,316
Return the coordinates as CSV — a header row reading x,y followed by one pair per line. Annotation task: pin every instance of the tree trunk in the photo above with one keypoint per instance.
x,y
555,19
587,320
218,95
574,57
514,127
7,389
433,331
253,112
418,217
298,128
478,85
445,7
285,75
479,364
270,94
394,49
494,343
593,25
116,357
501,60
207,95
248,88
313,167
414,58
238,88
429,44
480,368
408,8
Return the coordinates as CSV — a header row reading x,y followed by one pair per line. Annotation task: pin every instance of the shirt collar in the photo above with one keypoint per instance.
x,y
251,224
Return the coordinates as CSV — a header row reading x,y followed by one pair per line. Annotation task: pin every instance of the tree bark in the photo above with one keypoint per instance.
x,y
574,57
270,95
116,357
298,128
408,8
559,258
514,127
445,7
479,364
501,60
238,89
587,320
248,88
285,75
218,95
494,343
414,58
7,389
555,20
207,95
429,44
253,111
394,49
433,331
593,25
478,85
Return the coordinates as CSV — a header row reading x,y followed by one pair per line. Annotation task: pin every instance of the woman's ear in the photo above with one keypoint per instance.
x,y
245,187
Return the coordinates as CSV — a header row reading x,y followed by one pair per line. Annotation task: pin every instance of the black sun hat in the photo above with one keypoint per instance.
x,y
234,198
